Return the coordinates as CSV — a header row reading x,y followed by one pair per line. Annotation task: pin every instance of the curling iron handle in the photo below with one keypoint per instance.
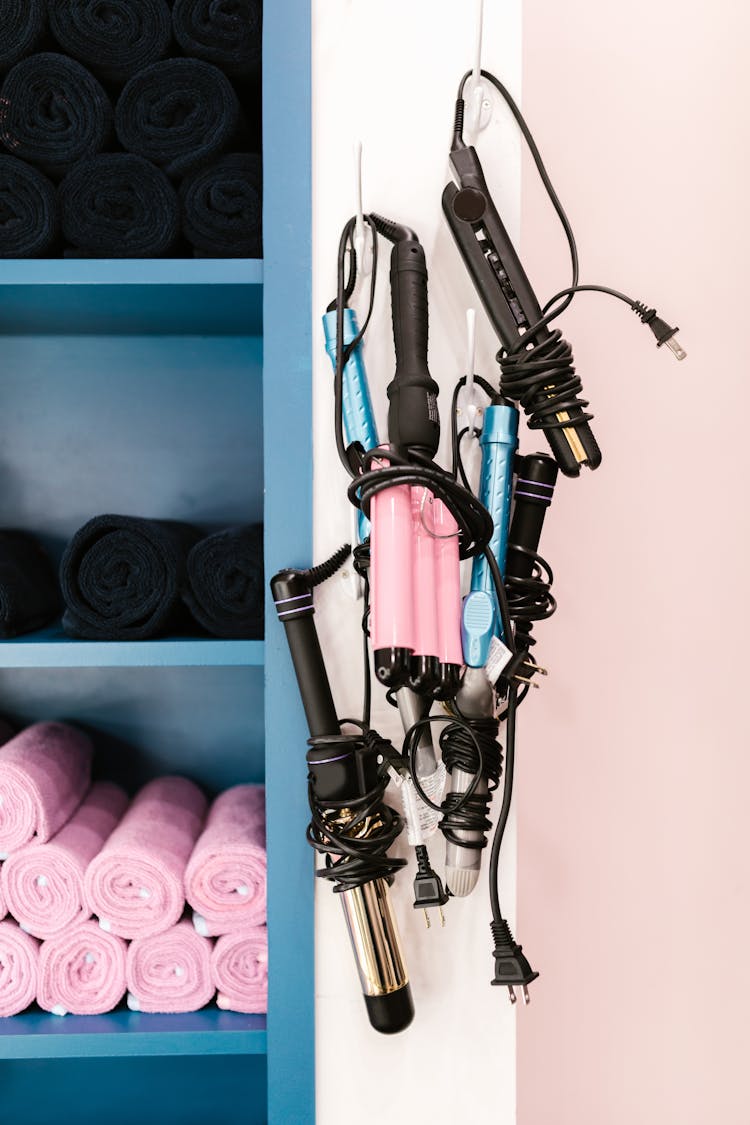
x,y
294,606
413,420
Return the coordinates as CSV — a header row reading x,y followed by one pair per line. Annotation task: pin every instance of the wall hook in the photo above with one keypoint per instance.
x,y
362,233
479,107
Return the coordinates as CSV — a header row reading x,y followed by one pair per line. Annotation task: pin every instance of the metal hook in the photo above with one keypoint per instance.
x,y
433,534
479,107
362,246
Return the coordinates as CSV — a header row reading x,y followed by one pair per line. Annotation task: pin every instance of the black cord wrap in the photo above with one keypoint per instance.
x,y
469,811
354,835
542,378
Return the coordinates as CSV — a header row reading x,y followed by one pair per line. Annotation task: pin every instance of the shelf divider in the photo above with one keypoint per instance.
x,y
51,648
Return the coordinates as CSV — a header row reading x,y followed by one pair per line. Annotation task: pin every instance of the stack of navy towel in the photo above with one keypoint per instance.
x,y
130,129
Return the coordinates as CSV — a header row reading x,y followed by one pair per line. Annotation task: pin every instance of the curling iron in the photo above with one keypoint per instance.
x,y
350,823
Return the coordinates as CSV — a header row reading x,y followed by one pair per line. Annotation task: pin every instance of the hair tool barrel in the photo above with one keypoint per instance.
x,y
350,824
415,635
480,623
537,364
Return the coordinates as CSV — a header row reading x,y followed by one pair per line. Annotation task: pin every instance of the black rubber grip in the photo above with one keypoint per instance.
x,y
392,1012
413,420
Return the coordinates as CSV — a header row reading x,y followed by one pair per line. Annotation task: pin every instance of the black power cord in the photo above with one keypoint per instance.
x,y
537,368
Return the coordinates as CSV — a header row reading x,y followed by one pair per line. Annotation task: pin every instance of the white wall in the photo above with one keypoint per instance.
x,y
387,73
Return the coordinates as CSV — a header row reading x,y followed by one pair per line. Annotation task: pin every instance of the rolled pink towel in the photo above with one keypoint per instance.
x,y
239,967
3,907
170,972
225,881
19,969
135,885
82,971
43,883
45,772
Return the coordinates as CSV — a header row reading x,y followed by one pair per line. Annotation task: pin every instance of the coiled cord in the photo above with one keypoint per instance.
x,y
542,378
462,812
474,521
354,835
529,599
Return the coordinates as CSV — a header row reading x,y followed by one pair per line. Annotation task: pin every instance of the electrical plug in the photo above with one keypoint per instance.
x,y
428,888
511,966
664,333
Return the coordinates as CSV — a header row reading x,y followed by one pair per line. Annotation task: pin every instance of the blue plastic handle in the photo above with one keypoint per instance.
x,y
358,417
480,620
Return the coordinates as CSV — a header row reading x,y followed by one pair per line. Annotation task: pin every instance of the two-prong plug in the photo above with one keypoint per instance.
x,y
511,966
428,888
664,333
521,669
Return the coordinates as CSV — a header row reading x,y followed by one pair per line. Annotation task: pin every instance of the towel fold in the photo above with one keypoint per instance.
x,y
135,885
29,594
45,772
3,907
227,33
116,205
43,883
170,972
225,589
29,213
19,969
222,207
23,23
239,967
178,113
114,39
225,880
81,972
53,113
121,577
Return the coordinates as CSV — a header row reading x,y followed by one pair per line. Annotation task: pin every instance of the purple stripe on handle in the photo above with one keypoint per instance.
x,y
299,597
534,496
535,483
327,761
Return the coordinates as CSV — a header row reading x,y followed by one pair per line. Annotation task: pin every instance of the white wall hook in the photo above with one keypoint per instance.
x,y
472,406
362,233
478,105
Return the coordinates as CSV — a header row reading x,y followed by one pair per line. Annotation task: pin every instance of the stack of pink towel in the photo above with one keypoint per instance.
x,y
225,883
72,850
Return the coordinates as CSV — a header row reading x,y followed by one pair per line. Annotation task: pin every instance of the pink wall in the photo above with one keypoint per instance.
x,y
634,778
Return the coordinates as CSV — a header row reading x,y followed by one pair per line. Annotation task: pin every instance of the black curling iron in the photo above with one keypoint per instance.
x,y
537,366
351,825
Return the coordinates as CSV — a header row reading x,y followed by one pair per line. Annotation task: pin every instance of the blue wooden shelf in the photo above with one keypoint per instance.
x,y
123,1034
132,297
51,648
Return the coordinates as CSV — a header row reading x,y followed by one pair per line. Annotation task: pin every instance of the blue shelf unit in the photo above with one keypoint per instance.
x,y
181,389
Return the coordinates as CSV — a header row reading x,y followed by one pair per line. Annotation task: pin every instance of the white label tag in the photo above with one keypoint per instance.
x,y
498,657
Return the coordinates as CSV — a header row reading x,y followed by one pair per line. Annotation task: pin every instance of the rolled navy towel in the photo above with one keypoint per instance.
x,y
227,33
225,589
29,592
116,205
53,113
179,114
29,212
22,25
122,576
222,207
115,39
